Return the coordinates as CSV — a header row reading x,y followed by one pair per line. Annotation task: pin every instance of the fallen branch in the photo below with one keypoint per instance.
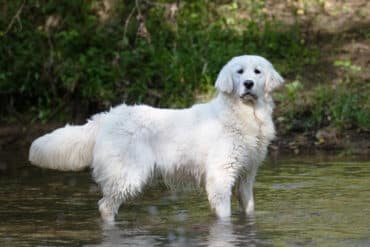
x,y
15,17
127,22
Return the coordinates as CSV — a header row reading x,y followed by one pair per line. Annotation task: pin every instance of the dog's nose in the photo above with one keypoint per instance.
x,y
248,84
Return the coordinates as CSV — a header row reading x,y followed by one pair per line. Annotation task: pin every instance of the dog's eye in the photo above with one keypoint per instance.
x,y
257,71
240,71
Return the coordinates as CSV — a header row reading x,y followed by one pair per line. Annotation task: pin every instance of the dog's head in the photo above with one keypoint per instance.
x,y
248,77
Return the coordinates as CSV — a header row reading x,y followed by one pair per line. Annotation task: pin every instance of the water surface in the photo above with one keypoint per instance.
x,y
300,201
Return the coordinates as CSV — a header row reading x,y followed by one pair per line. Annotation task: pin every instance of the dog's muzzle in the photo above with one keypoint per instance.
x,y
249,97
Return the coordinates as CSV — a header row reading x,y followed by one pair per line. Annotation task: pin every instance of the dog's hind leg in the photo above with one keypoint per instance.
x,y
121,170
108,207
125,183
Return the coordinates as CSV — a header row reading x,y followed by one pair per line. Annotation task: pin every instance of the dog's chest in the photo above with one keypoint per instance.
x,y
250,140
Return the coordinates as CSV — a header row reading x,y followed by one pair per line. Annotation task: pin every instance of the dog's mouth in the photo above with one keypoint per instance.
x,y
248,97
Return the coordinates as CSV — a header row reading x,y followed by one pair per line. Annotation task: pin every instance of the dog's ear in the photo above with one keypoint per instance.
x,y
224,82
274,80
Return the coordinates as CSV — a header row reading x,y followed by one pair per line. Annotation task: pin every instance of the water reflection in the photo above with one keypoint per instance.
x,y
299,202
226,233
217,233
114,235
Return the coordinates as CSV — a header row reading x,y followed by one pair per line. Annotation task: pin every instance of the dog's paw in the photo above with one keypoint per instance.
x,y
106,214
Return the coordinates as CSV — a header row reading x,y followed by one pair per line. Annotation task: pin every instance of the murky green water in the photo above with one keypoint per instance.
x,y
300,201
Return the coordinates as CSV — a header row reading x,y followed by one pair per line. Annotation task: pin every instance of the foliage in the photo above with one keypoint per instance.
x,y
80,57
343,106
65,54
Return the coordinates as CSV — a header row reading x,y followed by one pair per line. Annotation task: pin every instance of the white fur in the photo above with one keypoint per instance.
x,y
220,143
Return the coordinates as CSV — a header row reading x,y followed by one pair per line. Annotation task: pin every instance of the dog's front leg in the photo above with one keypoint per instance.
x,y
246,191
219,194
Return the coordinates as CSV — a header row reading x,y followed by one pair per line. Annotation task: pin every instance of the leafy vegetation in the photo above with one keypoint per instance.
x,y
343,106
74,58
64,52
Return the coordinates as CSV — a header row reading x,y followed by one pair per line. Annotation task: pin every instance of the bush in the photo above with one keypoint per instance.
x,y
342,106
58,55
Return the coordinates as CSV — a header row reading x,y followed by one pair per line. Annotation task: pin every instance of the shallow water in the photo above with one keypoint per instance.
x,y
300,201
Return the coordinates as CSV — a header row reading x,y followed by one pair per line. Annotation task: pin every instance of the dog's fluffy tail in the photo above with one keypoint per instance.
x,y
68,149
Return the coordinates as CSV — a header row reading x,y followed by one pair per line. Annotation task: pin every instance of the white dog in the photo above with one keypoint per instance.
x,y
220,143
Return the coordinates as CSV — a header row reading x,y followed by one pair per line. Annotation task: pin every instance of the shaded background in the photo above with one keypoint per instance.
x,y
61,61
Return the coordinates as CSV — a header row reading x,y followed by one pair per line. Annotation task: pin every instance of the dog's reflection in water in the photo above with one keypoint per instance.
x,y
218,232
